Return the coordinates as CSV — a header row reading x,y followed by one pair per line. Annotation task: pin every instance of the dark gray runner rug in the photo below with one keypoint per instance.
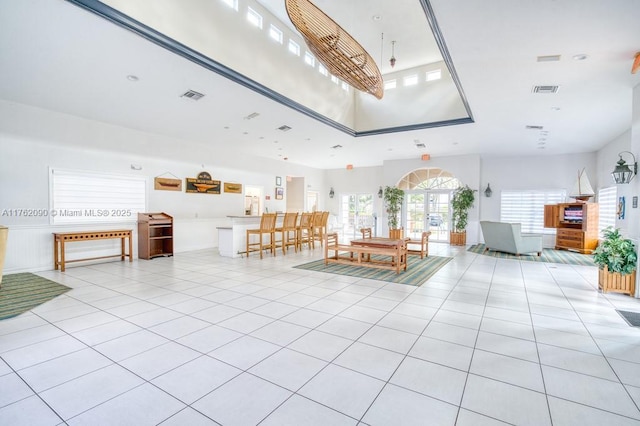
x,y
632,318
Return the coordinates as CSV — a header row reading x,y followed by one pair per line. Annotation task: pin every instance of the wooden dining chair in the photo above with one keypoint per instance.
x,y
366,233
267,228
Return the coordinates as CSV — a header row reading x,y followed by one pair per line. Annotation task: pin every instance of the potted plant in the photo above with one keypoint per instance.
x,y
616,258
393,198
461,202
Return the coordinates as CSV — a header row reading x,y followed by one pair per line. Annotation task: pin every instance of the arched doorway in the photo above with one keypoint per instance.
x,y
427,202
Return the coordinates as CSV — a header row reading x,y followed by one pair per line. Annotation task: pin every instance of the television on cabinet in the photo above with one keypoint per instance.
x,y
573,214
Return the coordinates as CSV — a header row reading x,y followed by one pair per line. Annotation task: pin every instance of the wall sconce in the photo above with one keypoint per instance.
x,y
622,173
425,157
331,193
488,191
349,166
380,192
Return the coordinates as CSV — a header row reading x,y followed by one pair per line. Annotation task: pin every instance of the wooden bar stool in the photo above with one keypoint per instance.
x,y
289,225
320,226
305,230
267,227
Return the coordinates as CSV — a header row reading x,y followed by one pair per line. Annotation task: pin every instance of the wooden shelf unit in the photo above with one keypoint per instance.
x,y
579,235
155,235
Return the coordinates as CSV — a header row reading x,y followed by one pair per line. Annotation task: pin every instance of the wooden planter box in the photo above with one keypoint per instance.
x,y
616,282
458,238
396,234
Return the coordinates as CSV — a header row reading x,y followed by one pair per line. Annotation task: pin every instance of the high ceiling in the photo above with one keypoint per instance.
x,y
56,56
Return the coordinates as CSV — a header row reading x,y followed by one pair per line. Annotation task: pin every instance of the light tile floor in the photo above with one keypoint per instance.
x,y
198,339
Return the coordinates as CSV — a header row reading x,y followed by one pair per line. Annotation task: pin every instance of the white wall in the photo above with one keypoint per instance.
x,y
32,140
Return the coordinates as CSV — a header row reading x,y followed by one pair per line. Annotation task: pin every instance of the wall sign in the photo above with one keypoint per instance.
x,y
203,184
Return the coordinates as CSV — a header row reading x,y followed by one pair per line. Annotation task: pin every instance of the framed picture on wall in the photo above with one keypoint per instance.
x,y
279,193
278,181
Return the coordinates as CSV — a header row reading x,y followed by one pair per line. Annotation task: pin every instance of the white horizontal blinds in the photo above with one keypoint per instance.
x,y
607,206
79,197
527,208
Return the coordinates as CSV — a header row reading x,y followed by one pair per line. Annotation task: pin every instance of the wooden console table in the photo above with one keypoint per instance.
x,y
60,238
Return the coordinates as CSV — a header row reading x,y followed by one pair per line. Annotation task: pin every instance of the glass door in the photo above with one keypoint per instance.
x,y
427,211
356,211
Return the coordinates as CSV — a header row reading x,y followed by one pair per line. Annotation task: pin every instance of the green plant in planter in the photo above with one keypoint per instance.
x,y
393,198
615,252
461,202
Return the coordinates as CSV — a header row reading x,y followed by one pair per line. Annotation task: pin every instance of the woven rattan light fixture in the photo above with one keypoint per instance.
x,y
340,53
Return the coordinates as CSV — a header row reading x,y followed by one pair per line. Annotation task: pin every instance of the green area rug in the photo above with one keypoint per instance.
x,y
418,270
21,292
548,255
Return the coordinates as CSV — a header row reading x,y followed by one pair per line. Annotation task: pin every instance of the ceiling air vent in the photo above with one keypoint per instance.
x,y
530,127
192,94
252,115
420,145
284,128
545,89
548,58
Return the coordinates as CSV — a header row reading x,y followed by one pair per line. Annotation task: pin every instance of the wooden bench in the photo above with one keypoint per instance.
x,y
360,255
60,238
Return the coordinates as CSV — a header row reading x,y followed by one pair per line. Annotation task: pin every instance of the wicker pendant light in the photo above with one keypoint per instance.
x,y
340,53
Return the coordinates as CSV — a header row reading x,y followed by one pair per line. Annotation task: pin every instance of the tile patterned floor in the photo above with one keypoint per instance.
x,y
202,340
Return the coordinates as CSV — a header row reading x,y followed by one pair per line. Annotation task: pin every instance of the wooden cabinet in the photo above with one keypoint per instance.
x,y
576,224
551,216
155,235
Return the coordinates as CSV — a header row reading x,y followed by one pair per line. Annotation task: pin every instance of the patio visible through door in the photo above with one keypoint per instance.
x,y
356,211
427,211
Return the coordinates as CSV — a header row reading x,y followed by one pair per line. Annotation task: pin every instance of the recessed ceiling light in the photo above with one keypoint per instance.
x,y
252,115
541,147
245,133
555,108
580,57
132,77
455,143
376,17
226,127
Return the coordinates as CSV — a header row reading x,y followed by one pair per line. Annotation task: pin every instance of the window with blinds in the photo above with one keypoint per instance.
x,y
527,208
607,206
78,197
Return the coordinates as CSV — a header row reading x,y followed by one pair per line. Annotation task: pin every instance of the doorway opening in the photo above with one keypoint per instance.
x,y
252,200
356,212
427,203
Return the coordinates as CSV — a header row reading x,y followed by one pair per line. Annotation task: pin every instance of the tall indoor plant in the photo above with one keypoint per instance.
x,y
616,258
461,203
393,198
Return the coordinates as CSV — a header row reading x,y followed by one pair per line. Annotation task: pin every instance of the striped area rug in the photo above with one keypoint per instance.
x,y
418,270
21,292
548,255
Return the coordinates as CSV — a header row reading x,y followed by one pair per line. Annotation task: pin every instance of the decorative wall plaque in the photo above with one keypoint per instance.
x,y
233,188
203,184
167,184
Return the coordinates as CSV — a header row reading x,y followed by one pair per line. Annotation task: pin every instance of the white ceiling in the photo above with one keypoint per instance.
x,y
57,56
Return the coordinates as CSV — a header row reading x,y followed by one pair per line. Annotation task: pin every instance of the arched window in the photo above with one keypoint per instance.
x,y
433,178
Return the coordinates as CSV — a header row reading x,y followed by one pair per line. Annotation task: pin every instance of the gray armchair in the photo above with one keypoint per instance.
x,y
506,237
